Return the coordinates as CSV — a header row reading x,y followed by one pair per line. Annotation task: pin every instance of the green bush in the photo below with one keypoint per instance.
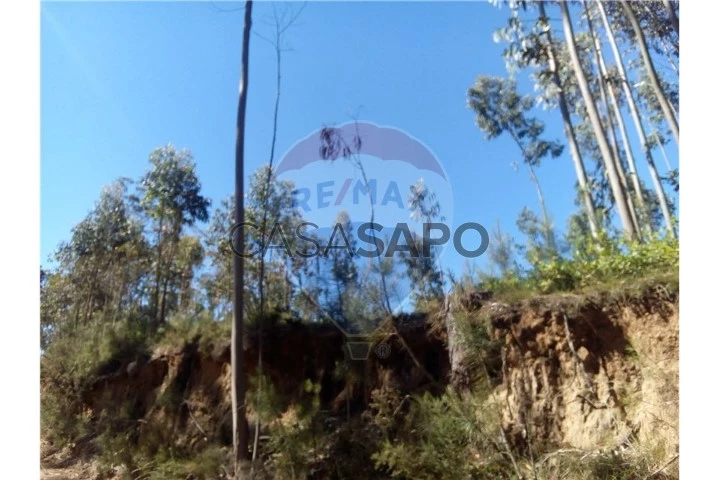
x,y
607,262
211,463
68,363
446,437
601,263
185,328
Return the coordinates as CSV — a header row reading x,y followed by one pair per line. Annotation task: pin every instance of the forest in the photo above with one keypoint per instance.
x,y
152,272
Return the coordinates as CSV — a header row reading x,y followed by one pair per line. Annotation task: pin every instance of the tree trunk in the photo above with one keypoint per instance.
x,y
460,376
663,151
165,284
548,230
268,185
651,72
170,256
672,15
613,143
158,274
638,194
239,378
634,111
571,137
595,121
118,307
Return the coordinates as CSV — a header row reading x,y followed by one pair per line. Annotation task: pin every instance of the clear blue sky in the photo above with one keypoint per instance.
x,y
119,79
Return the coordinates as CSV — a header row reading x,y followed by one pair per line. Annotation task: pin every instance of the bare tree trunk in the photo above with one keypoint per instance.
x,y
158,273
548,230
165,283
121,294
651,71
672,15
634,111
569,132
614,144
638,194
547,224
595,121
268,184
239,376
663,151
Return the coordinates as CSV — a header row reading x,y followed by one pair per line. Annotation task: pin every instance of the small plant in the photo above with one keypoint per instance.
x,y
443,437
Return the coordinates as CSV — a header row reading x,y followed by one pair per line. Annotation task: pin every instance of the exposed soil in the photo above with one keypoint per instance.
x,y
592,373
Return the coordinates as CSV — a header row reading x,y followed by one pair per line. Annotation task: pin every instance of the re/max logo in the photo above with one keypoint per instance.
x,y
331,193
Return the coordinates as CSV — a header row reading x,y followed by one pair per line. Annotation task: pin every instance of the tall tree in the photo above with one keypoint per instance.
x,y
343,269
170,196
333,145
281,24
423,268
614,111
105,259
500,109
634,112
568,126
650,70
239,376
593,114
602,82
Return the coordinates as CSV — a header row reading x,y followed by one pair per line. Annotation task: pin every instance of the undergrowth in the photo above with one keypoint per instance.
x,y
399,435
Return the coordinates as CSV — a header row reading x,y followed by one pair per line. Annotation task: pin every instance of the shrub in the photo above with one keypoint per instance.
x,y
444,437
604,262
71,360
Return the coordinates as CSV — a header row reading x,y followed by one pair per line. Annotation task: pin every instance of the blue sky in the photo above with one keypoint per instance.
x,y
119,79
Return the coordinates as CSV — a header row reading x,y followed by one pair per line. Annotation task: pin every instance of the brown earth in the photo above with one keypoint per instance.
x,y
574,372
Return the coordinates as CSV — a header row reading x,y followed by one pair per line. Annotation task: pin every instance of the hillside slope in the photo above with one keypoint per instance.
x,y
571,378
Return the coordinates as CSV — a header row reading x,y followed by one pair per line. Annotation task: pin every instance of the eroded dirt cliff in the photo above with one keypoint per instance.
x,y
586,372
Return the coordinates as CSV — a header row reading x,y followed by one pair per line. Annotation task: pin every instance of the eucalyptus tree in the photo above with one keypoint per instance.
x,y
423,268
650,70
217,280
170,197
561,96
614,111
636,118
343,268
100,272
537,49
499,109
190,256
333,146
240,430
611,110
272,209
672,15
618,191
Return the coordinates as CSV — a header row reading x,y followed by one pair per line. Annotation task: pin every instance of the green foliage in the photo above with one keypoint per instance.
x,y
608,262
499,109
594,264
185,328
211,463
171,190
297,439
68,363
99,311
446,437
